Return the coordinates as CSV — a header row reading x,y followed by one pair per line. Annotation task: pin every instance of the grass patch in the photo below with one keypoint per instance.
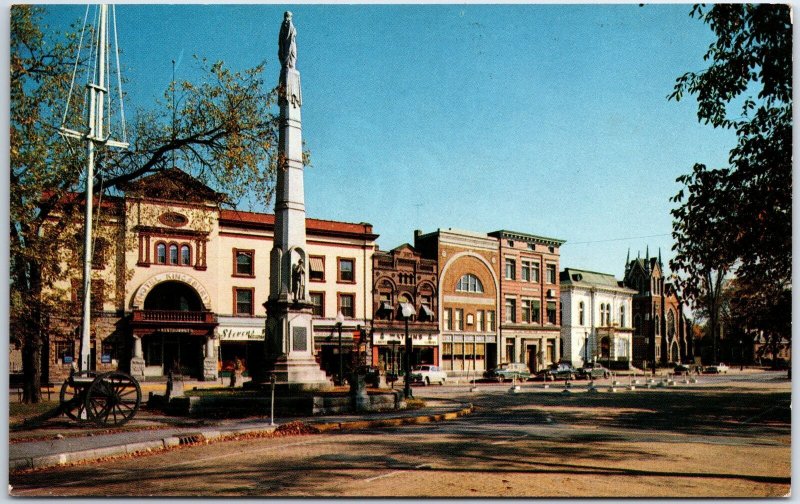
x,y
414,404
21,411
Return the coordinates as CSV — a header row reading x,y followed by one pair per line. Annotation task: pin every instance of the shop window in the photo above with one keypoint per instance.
x,y
244,262
346,305
318,302
347,270
244,301
64,352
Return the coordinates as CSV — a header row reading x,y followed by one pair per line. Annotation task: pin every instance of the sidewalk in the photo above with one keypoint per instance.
x,y
56,444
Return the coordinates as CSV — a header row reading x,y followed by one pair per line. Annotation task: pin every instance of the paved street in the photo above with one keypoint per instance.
x,y
725,436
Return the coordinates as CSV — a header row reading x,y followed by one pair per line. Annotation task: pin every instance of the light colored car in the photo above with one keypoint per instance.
x,y
509,371
716,369
428,373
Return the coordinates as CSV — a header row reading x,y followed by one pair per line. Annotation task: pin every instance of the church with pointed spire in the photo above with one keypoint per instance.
x,y
661,332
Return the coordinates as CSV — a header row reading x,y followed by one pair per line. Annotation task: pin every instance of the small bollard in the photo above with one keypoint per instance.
x,y
272,400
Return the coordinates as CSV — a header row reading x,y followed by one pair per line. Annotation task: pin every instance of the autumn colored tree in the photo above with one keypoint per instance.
x,y
224,133
737,218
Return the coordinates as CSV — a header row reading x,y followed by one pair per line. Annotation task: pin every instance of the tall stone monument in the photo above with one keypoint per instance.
x,y
289,343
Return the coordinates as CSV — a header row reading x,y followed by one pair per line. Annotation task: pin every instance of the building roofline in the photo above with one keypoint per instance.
x,y
544,240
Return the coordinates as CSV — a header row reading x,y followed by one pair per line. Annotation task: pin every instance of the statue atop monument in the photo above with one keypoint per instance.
x,y
287,50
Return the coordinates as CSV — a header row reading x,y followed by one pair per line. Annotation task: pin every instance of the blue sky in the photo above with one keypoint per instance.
x,y
544,119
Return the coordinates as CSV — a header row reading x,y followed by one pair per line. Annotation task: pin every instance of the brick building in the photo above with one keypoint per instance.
x,y
402,275
530,325
468,297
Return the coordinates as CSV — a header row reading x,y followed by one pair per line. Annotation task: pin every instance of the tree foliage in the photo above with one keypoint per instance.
x,y
737,218
225,133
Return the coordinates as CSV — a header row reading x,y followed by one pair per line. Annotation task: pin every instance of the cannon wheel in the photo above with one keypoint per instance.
x,y
113,398
70,396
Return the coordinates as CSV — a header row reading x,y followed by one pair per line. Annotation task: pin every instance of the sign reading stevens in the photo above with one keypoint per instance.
x,y
241,334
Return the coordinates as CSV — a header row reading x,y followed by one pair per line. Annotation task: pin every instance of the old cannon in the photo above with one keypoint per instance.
x,y
107,399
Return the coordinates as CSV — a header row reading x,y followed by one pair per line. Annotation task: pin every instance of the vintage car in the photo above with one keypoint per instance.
x,y
427,374
508,371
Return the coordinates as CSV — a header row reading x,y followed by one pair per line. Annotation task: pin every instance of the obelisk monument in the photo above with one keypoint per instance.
x,y
289,343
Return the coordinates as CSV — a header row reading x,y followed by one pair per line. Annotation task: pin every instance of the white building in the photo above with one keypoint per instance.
x,y
596,319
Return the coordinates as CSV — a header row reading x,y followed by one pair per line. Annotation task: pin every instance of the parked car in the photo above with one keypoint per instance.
x,y
682,368
428,374
592,370
716,369
560,371
508,371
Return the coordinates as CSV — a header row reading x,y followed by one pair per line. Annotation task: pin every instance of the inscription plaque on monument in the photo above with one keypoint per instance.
x,y
299,339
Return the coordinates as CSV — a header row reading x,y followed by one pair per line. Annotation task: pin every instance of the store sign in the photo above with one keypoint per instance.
x,y
241,334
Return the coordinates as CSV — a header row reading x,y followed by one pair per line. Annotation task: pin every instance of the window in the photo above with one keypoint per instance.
x,y
448,319
551,273
243,300
244,262
536,311
622,316
347,305
161,253
346,270
526,311
173,254
531,246
510,350
99,253
580,313
525,274
316,268
511,310
318,303
479,320
64,352
490,320
637,324
551,312
551,249
186,255
535,272
511,243
459,326
511,268
469,283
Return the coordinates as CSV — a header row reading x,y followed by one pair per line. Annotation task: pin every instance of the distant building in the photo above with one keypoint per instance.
x,y
468,297
661,332
530,325
402,275
596,324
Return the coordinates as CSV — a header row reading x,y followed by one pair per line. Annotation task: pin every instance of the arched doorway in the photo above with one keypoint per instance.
x,y
176,331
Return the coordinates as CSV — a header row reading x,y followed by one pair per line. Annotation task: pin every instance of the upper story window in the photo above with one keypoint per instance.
x,y
316,268
535,275
490,320
318,303
551,312
511,310
447,319
459,320
622,316
347,270
347,305
580,313
511,269
243,301
186,255
525,272
469,283
479,320
243,262
173,254
161,253
551,273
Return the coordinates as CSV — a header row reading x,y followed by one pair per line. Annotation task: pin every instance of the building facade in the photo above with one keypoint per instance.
x,y
468,298
596,324
661,332
402,275
182,282
530,325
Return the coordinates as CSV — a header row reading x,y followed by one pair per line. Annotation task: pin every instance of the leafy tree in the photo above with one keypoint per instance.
x,y
737,218
225,133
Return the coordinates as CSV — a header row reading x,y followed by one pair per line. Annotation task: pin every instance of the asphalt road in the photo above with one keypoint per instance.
x,y
728,436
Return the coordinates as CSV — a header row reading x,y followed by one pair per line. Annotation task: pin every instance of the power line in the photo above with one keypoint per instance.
x,y
619,239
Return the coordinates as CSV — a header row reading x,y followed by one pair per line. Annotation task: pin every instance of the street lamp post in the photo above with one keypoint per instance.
x,y
339,322
585,348
741,355
405,311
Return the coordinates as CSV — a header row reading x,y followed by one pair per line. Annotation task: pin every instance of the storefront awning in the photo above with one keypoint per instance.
x,y
426,313
406,310
386,307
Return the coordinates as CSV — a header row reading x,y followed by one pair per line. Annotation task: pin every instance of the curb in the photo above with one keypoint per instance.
x,y
59,459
